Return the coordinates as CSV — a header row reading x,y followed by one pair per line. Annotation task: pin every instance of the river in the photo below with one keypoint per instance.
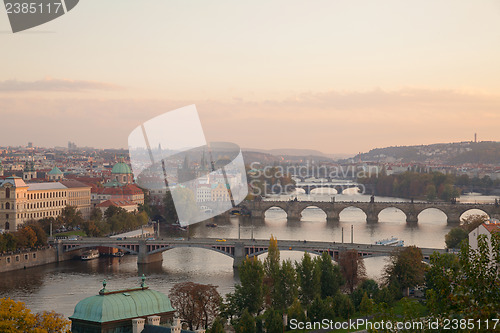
x,y
60,286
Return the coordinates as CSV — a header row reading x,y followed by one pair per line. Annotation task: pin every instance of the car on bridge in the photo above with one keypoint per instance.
x,y
220,240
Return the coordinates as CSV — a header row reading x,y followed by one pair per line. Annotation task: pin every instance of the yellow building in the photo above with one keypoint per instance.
x,y
79,196
21,202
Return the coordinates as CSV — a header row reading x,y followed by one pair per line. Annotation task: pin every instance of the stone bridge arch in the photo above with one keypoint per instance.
x,y
130,248
229,251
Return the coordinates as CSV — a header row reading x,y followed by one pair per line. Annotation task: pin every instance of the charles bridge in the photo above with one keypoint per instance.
x,y
293,209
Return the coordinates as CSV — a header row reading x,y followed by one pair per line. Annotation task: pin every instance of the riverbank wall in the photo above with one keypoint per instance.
x,y
23,259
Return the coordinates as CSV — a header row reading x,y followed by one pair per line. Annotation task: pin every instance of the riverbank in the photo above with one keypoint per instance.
x,y
23,259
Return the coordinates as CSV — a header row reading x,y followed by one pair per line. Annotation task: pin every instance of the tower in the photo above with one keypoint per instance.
x,y
29,171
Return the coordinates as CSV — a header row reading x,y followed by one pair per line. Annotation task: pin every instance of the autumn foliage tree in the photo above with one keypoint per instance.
x,y
352,268
15,317
197,304
405,268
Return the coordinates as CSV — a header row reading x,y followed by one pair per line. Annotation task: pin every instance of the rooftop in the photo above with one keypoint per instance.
x,y
114,305
46,186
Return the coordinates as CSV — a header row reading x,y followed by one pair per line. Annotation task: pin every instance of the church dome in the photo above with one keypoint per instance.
x,y
55,171
121,168
110,306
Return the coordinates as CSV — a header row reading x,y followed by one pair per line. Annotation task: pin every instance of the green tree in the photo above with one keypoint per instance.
x,y
246,323
366,305
330,277
455,236
321,309
217,326
443,268
286,286
70,217
249,294
273,321
309,280
343,305
272,269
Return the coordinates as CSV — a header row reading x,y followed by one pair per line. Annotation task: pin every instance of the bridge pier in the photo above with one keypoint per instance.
x,y
453,218
144,258
293,215
239,254
332,216
411,217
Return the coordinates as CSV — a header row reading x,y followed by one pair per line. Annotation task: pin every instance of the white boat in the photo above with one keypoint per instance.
x,y
91,254
393,241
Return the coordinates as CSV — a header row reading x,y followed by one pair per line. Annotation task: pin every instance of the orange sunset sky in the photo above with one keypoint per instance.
x,y
336,76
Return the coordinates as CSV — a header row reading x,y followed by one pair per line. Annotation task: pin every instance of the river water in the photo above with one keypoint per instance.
x,y
60,287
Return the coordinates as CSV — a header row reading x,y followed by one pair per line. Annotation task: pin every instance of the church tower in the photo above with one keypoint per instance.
x,y
29,171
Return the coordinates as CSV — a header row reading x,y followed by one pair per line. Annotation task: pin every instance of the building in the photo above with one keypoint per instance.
x,y
129,206
21,202
121,175
487,228
122,311
55,175
79,196
29,171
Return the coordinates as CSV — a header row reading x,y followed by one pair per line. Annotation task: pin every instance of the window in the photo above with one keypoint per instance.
x,y
7,192
17,258
7,205
25,257
34,255
7,224
8,260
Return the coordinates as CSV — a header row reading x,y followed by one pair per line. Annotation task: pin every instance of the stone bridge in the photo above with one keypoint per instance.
x,y
338,187
332,210
149,251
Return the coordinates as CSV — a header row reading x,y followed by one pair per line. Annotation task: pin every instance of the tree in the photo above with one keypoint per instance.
x,y
26,237
443,269
405,268
52,322
217,326
249,294
471,222
330,276
455,236
246,323
273,321
70,216
286,288
197,304
272,271
309,280
15,317
352,268
366,305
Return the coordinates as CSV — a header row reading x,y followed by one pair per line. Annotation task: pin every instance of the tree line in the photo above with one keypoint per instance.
x,y
414,185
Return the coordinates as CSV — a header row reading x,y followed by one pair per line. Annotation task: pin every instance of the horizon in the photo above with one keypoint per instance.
x,y
415,73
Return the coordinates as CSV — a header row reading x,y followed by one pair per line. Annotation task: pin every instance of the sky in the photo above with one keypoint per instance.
x,y
335,76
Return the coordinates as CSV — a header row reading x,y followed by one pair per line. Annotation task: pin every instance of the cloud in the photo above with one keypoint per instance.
x,y
57,85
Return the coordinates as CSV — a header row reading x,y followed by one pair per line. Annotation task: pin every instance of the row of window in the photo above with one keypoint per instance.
x,y
35,205
26,257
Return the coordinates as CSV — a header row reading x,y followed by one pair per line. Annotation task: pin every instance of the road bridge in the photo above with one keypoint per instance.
x,y
332,209
149,251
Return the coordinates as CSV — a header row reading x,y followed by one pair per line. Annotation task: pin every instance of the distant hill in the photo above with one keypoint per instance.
x,y
457,153
289,152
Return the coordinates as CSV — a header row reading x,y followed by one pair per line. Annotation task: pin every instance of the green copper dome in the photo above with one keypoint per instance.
x,y
121,168
55,171
120,305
